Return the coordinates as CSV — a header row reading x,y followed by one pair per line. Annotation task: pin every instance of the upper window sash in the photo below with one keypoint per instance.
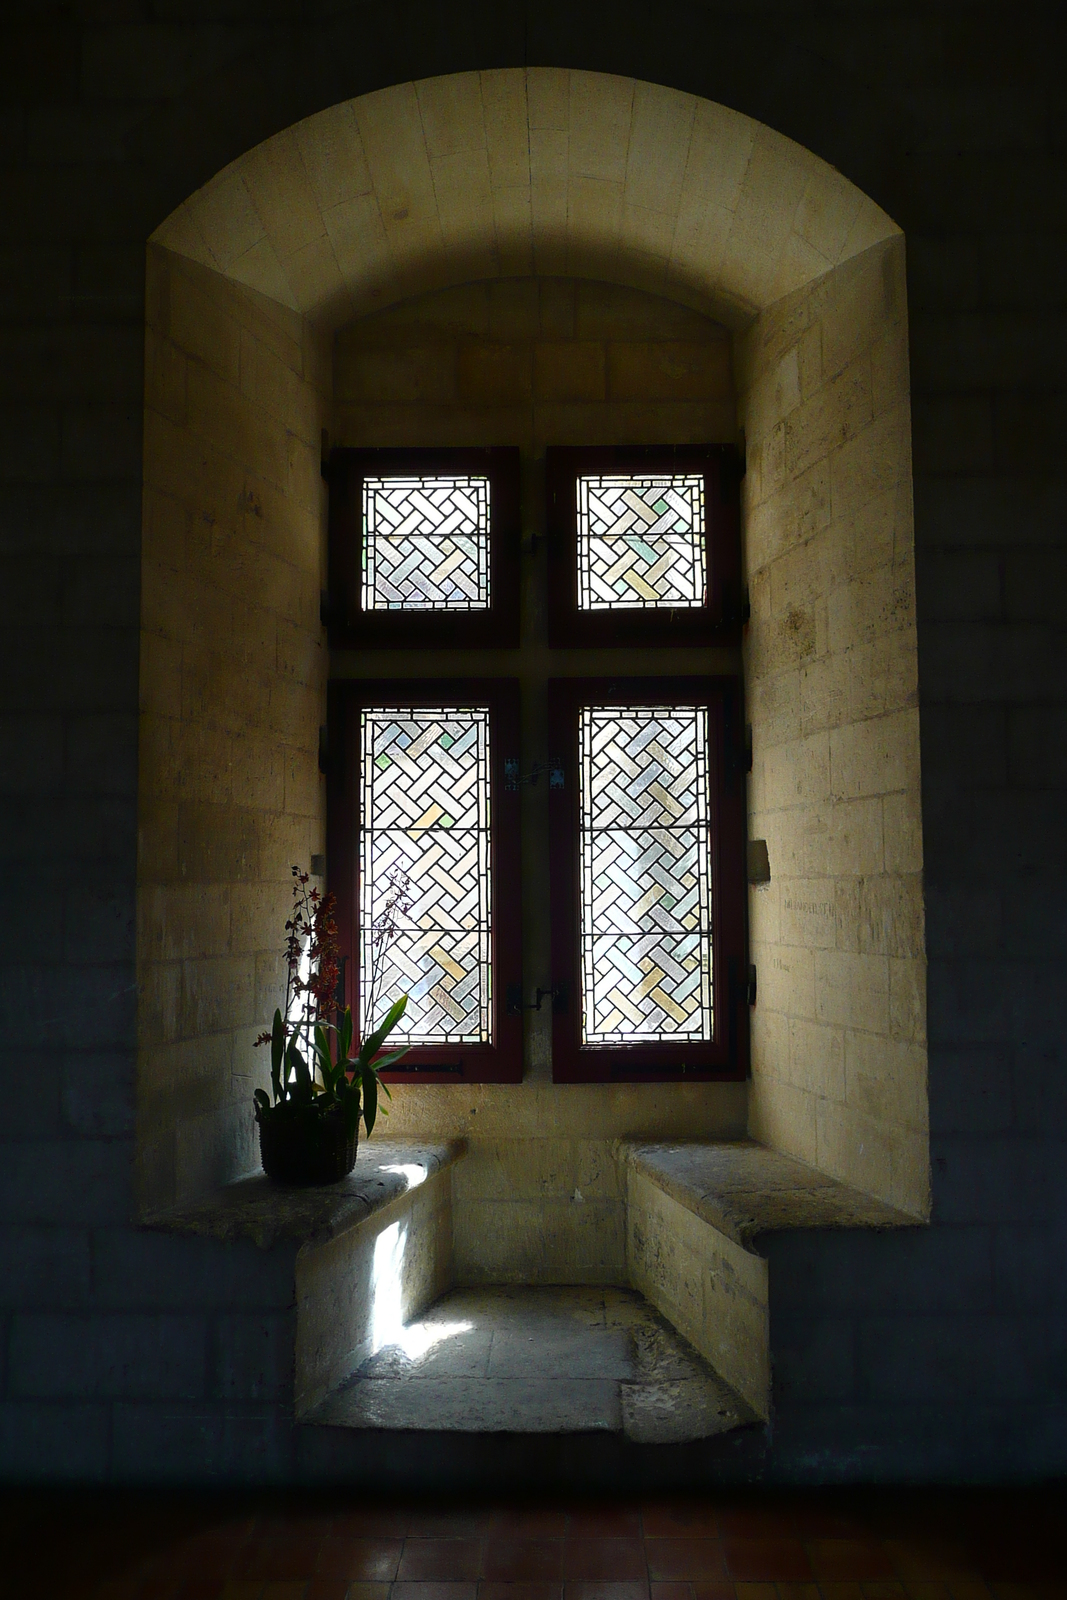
x,y
424,548
644,545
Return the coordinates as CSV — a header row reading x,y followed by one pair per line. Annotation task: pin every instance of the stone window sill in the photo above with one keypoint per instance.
x,y
255,1208
744,1189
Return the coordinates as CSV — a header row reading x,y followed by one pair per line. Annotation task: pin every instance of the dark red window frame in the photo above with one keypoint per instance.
x,y
719,621
350,627
501,1061
727,1056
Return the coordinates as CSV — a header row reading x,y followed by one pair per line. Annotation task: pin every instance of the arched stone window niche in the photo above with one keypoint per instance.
x,y
521,174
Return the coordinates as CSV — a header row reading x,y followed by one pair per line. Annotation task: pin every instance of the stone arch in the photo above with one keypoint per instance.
x,y
498,174
510,172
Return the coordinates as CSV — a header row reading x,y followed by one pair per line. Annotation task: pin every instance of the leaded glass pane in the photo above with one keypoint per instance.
x,y
426,544
645,875
640,541
425,821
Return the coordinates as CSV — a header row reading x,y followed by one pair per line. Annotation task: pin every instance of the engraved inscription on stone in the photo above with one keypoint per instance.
x,y
645,875
425,814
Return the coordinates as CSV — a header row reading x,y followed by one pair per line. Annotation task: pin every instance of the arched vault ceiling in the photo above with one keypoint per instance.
x,y
519,171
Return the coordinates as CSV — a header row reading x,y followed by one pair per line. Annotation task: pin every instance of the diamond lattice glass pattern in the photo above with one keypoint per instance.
x,y
425,812
640,542
645,875
425,544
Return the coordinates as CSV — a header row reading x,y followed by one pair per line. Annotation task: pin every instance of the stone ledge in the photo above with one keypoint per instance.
x,y
744,1189
254,1208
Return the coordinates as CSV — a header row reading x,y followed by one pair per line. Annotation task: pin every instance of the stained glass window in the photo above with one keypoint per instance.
x,y
425,825
645,875
426,544
641,541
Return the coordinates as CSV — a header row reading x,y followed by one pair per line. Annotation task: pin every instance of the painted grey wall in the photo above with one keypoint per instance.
x,y
941,1353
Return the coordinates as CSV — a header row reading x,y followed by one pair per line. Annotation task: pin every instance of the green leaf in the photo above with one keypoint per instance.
x,y
373,1043
277,1047
383,1063
344,1041
323,1055
352,1109
262,1099
304,1092
370,1098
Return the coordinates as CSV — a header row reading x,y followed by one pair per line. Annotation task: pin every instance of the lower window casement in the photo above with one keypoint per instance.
x,y
424,859
649,942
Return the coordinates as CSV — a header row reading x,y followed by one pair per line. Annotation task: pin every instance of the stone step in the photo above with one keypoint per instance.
x,y
523,1360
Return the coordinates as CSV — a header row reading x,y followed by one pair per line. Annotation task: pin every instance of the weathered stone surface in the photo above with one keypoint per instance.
x,y
257,1209
744,1189
560,1360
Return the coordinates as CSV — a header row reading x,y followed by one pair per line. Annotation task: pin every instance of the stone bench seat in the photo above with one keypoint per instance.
x,y
693,1214
371,1254
368,1253
744,1189
257,1209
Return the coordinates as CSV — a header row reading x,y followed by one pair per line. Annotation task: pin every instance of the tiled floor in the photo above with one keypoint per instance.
x,y
524,1360
860,1545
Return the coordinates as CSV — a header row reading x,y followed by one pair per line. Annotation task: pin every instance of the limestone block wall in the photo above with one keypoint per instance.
x,y
839,1043
231,698
536,361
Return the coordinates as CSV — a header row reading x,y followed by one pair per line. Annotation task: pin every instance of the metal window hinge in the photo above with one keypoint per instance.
x,y
515,779
750,990
515,1005
454,1067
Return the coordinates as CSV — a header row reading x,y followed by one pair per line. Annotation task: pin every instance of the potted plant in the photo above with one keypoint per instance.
x,y
309,1126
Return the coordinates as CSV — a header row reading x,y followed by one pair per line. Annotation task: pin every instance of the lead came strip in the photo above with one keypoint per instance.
x,y
425,813
645,856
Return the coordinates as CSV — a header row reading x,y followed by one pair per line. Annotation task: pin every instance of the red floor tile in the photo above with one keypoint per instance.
x,y
685,1558
774,1521
671,1591
523,1560
455,1522
532,1589
528,1522
838,1559
440,1590
370,1522
720,1590
693,1521
369,1560
606,1589
278,1560
599,1522
604,1558
766,1560
453,1559
327,1589
969,1589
